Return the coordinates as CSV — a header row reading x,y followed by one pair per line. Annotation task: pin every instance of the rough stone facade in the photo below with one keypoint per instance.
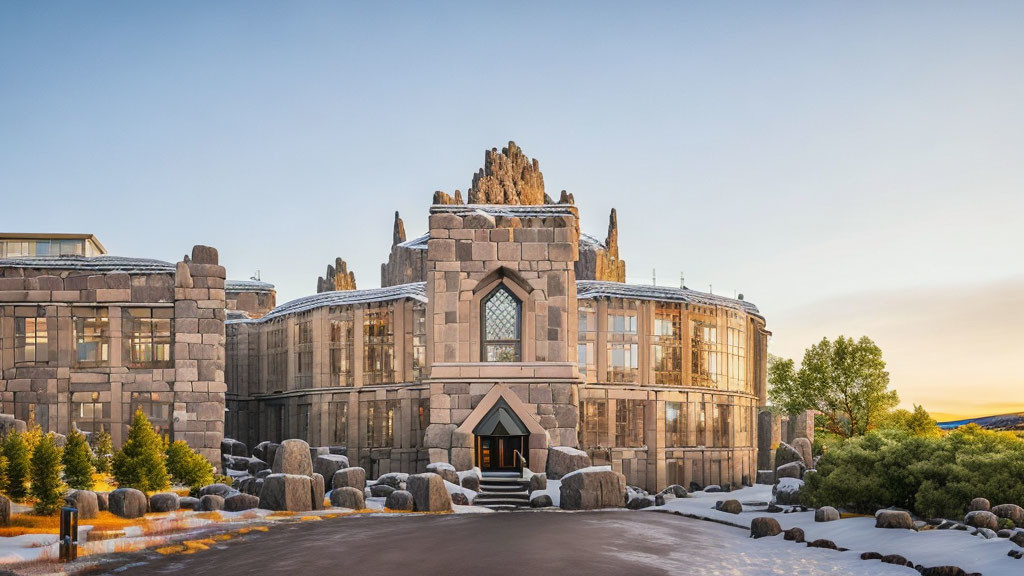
x,y
338,277
408,259
85,341
600,260
249,298
508,177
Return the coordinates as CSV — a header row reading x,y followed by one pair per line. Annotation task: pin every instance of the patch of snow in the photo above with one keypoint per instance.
x,y
789,485
471,472
440,466
587,469
553,490
568,450
455,488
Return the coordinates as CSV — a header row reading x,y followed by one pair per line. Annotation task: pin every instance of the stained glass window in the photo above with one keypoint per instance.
x,y
501,318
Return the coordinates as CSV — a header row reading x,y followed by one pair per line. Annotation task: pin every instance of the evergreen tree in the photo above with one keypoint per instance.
x,y
77,462
188,467
3,471
47,489
16,453
104,451
33,434
140,462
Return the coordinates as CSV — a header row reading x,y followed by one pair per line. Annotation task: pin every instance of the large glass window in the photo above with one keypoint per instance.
x,y
378,345
623,352
737,359
502,317
420,419
277,356
92,337
667,347
722,426
706,365
302,422
586,350
31,341
147,337
339,422
304,353
629,423
380,422
157,408
419,340
341,347
675,424
594,425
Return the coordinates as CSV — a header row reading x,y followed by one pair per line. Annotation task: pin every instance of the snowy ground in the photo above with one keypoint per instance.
x,y
928,548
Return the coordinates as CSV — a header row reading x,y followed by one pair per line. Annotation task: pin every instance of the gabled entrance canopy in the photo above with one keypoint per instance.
x,y
501,421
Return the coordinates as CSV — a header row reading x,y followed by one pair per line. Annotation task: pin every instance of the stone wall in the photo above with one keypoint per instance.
x,y
601,261
405,263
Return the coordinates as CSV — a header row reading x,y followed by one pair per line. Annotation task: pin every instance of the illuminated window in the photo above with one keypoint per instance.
x,y
623,346
705,353
737,359
629,423
585,354
341,348
501,316
419,340
378,345
92,338
420,419
675,424
147,341
380,422
338,411
31,341
88,413
667,347
594,423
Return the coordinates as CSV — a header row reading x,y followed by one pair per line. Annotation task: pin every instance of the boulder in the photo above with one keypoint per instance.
x,y
381,490
592,488
563,460
343,450
240,502
236,463
232,447
444,470
292,458
287,492
640,502
188,503
729,506
128,503
986,533
979,504
429,493
393,479
785,454
982,519
262,451
764,526
897,560
787,491
794,534
660,499
256,466
942,571
211,503
164,502
348,497
537,482
675,490
349,477
791,470
870,556
1018,539
894,519
103,500
264,473
317,491
823,543
222,490
84,500
803,446
472,482
315,451
1011,512
765,477
541,501
826,514
460,498
399,500
327,464
712,489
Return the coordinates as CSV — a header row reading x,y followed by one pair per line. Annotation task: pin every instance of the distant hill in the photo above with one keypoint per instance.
x,y
1001,422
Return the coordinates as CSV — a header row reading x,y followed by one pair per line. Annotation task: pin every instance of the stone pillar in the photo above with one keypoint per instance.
x,y
769,435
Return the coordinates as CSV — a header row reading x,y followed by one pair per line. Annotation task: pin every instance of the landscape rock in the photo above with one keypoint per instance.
x,y
287,492
592,488
211,503
240,502
444,470
428,493
128,503
785,454
1011,512
943,571
794,534
979,504
791,470
399,500
349,477
381,490
103,500
1018,539
5,511
765,477
803,446
472,482
255,466
982,519
823,543
84,500
293,458
870,556
222,490
317,491
675,490
897,560
262,451
348,497
393,479
730,506
894,519
712,489
164,502
826,514
538,482
787,491
986,533
764,526
188,503
563,460
640,502
541,501
327,464
460,499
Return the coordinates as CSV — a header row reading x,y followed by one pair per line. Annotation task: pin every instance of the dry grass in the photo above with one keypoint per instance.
x,y
32,524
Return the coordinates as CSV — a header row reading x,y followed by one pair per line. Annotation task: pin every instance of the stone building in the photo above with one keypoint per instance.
x,y
499,333
87,340
249,298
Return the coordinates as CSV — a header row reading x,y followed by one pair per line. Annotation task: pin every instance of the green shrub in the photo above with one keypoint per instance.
x,y
16,453
140,462
933,476
77,461
188,467
47,489
1006,524
104,451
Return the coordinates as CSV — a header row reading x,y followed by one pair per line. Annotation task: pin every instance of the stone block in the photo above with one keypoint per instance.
x,y
429,493
287,492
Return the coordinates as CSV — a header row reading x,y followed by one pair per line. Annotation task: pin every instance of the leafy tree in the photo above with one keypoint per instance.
x,y
16,453
919,422
104,451
77,461
47,489
845,381
140,462
188,467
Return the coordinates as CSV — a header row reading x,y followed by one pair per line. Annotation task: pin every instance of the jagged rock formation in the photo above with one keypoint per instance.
x,y
338,277
600,260
443,198
508,177
408,259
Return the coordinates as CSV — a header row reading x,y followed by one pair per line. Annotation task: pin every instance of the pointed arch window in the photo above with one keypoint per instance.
x,y
502,326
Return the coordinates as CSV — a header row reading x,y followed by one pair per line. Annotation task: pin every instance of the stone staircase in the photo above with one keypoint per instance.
x,y
503,491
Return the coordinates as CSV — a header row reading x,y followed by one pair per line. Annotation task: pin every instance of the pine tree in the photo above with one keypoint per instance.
x,y
188,467
77,462
16,453
104,452
3,471
47,489
33,434
140,462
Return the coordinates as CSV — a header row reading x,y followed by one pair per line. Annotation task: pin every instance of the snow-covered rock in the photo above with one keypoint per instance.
x,y
787,491
591,488
293,457
428,493
563,459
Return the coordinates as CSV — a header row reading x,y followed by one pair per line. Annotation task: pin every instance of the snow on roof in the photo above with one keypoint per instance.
x,y
247,286
104,263
418,243
599,289
414,291
511,210
591,241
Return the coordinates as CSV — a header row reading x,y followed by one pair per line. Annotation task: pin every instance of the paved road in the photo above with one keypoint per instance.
x,y
531,543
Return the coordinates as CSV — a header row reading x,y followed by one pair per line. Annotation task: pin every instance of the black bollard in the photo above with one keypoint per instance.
x,y
68,533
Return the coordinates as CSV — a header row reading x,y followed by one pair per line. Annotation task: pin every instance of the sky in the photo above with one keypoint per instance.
x,y
851,168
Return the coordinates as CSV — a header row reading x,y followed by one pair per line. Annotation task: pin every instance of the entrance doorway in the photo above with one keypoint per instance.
x,y
501,441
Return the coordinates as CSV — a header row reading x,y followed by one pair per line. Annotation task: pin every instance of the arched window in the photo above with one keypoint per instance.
x,y
501,327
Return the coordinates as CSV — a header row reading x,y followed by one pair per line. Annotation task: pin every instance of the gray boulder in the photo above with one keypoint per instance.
x,y
211,503
287,492
444,470
128,503
292,457
730,506
400,500
675,490
460,499
381,490
317,491
803,446
982,519
894,519
103,500
86,502
164,502
262,451
979,504
349,477
787,491
240,502
256,466
790,470
471,482
541,501
985,533
393,479
765,526
826,514
794,534
428,493
348,497
563,460
765,477
1012,512
592,489
188,503
343,450
222,490
785,454
538,482
327,464
640,502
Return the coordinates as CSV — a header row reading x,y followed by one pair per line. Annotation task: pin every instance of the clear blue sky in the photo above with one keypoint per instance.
x,y
839,163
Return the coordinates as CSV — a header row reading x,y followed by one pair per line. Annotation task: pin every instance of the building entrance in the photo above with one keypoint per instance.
x,y
501,441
